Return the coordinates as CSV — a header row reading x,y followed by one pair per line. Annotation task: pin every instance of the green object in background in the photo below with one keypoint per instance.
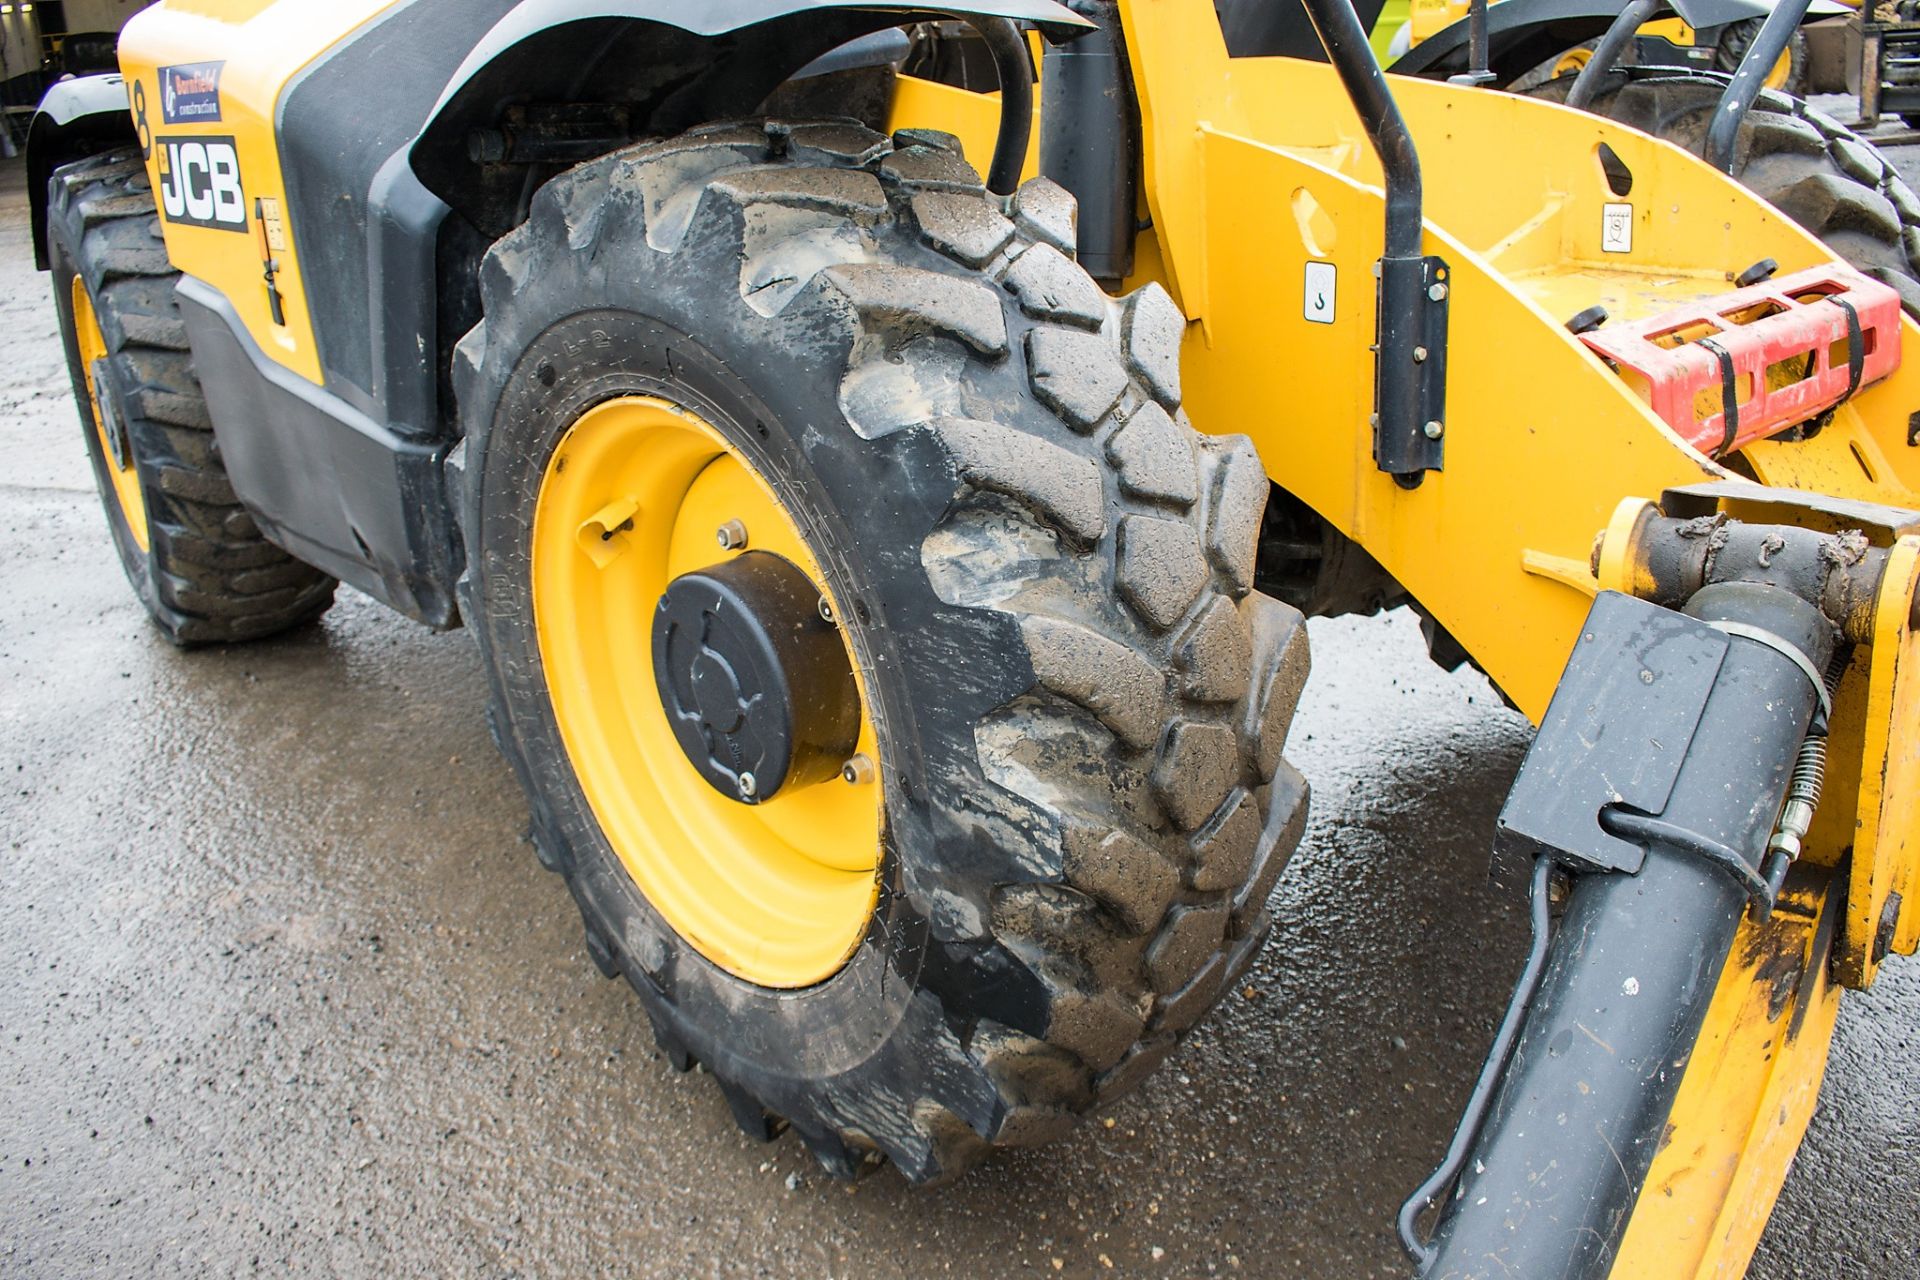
x,y
1395,15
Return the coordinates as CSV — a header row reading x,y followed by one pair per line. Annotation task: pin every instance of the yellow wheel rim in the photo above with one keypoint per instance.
x,y
1782,71
125,481
1571,61
777,893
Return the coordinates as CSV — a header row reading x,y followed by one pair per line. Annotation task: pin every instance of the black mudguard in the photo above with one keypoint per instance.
x,y
79,117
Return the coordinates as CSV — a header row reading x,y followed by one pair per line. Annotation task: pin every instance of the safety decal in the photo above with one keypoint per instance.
x,y
1318,303
190,94
200,183
1616,228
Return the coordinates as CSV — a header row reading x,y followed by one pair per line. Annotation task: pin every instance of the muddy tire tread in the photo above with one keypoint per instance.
x,y
1102,902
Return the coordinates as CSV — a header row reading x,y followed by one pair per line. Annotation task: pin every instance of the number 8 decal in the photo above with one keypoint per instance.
x,y
140,119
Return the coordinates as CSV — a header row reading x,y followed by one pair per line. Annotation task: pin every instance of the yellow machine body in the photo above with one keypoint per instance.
x,y
263,45
1256,170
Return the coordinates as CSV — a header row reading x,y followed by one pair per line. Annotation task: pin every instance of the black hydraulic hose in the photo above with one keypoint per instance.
x,y
1435,1188
1775,34
1013,63
1607,53
1345,41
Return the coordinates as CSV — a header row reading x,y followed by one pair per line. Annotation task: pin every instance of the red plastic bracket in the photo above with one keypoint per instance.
x,y
1742,366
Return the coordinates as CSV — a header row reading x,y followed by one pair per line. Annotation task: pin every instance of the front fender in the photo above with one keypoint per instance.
x,y
78,117
721,17
710,61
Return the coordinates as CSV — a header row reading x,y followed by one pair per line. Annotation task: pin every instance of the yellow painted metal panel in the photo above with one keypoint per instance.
x,y
263,45
1886,851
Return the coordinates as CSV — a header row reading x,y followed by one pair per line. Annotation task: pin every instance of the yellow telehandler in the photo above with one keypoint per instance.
x,y
891,580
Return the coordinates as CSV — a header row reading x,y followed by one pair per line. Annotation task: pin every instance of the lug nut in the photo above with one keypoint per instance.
x,y
826,611
732,536
748,786
857,771
1434,430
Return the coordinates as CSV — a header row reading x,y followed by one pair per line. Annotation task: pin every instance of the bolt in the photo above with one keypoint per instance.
x,y
732,536
1419,355
1437,292
857,771
826,611
1434,430
748,786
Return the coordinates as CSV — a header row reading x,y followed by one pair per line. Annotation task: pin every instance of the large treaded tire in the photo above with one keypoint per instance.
x,y
1080,700
207,575
1808,165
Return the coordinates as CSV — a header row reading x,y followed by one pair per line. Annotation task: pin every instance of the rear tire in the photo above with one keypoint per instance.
x,y
1808,165
1045,574
191,551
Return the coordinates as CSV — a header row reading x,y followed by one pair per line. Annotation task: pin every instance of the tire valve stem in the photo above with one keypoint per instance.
x,y
732,536
857,771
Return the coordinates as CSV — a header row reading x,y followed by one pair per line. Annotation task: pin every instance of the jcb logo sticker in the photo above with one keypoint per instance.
x,y
200,183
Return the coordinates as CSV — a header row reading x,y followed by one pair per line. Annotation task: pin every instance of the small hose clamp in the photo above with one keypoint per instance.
x,y
1788,650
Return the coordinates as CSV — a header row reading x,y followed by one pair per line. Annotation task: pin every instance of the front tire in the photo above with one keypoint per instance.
x,y
1044,577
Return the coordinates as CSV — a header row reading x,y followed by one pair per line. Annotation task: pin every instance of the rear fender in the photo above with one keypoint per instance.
x,y
680,65
78,118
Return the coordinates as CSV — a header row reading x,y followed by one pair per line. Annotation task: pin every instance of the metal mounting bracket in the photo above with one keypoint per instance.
x,y
1410,368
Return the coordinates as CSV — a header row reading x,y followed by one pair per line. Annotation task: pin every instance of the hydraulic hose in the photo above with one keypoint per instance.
x,y
1607,53
1776,33
1435,1188
1013,64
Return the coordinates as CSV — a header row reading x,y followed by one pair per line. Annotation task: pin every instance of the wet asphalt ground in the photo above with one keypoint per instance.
x,y
284,992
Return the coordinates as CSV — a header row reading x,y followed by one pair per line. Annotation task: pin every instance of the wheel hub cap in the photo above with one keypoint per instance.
x,y
756,685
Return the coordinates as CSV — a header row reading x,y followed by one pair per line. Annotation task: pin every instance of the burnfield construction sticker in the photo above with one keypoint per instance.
x,y
190,94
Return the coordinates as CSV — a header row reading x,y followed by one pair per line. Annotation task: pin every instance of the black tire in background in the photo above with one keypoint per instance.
x,y
207,576
1737,37
1808,165
1081,702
